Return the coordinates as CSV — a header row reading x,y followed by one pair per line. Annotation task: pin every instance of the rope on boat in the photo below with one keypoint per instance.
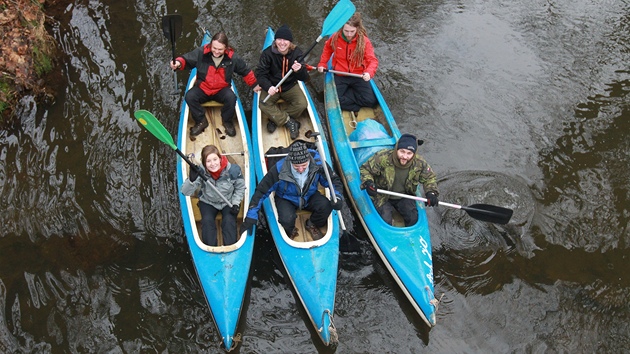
x,y
334,337
237,339
435,302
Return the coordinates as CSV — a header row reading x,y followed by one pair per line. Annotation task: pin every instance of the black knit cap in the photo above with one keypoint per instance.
x,y
407,141
285,33
298,153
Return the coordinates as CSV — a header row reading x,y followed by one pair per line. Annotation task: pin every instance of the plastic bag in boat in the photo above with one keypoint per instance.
x,y
366,130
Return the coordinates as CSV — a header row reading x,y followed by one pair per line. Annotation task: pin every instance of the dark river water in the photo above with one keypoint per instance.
x,y
523,104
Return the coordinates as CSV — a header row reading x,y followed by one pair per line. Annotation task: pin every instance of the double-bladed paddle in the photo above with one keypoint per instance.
x,y
172,28
148,120
484,212
338,16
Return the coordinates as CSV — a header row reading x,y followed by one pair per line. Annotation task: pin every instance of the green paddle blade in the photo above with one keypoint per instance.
x,y
148,120
338,16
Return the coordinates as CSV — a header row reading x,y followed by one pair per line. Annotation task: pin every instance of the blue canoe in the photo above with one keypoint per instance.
x,y
310,265
223,271
406,251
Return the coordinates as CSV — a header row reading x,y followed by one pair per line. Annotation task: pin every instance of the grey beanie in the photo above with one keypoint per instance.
x,y
298,153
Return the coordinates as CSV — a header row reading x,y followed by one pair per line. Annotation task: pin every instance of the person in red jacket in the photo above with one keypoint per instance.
x,y
353,53
215,63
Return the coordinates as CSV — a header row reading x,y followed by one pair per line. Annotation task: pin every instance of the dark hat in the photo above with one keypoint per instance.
x,y
298,153
407,141
285,33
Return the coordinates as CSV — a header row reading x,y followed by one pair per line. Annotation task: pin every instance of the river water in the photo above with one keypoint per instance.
x,y
522,104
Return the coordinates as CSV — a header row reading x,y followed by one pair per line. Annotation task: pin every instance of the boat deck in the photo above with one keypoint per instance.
x,y
232,147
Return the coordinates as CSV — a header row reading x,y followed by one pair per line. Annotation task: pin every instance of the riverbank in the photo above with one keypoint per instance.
x,y
29,53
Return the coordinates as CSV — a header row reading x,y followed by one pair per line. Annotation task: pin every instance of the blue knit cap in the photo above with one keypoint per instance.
x,y
407,141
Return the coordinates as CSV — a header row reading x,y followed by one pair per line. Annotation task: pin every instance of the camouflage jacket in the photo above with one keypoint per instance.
x,y
380,169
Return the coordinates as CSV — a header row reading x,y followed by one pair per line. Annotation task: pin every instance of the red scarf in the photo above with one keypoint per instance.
x,y
216,175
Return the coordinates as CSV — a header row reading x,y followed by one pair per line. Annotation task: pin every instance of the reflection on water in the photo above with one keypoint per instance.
x,y
522,105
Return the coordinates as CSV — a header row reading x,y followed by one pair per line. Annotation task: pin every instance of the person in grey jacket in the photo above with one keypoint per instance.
x,y
229,182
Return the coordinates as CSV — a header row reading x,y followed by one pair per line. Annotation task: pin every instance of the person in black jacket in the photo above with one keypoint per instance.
x,y
215,63
295,180
275,62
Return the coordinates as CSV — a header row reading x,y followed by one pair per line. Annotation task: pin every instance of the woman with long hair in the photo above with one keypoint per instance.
x,y
354,54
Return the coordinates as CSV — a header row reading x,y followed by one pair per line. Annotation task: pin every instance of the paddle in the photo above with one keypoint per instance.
x,y
344,73
338,16
148,120
320,149
172,28
310,67
484,212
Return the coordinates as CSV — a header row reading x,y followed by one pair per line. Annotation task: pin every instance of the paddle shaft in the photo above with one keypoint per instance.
x,y
478,211
320,149
343,73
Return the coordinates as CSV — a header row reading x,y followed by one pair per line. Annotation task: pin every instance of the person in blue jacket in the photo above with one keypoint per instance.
x,y
295,181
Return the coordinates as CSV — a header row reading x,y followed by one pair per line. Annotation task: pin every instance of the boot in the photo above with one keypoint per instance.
x,y
294,128
199,128
271,127
229,128
314,230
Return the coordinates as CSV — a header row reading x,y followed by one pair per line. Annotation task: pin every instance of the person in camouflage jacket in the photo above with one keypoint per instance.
x,y
399,170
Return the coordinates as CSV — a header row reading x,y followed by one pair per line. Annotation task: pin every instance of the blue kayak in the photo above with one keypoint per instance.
x,y
223,271
406,251
311,266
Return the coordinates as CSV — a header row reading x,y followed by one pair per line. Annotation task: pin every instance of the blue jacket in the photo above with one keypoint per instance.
x,y
280,180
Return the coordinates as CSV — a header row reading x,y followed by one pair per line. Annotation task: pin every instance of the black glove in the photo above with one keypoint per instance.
x,y
432,199
338,204
193,174
235,209
248,224
370,188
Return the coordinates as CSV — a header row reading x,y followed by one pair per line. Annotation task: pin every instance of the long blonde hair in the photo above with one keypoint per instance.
x,y
356,58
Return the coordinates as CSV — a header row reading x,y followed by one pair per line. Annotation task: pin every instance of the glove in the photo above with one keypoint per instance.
x,y
193,174
235,209
370,188
432,199
338,204
248,224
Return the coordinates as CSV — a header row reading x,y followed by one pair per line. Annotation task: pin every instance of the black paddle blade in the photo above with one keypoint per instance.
x,y
172,26
490,213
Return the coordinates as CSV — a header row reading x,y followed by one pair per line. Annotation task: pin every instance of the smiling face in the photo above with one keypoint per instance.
x,y
217,48
283,45
349,31
300,167
213,162
404,156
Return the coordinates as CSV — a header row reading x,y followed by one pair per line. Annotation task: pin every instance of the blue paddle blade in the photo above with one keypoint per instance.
x,y
269,38
338,16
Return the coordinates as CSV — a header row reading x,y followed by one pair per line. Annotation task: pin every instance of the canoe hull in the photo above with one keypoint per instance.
x,y
223,271
405,251
311,266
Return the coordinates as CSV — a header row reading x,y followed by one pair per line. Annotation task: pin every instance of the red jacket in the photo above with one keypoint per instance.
x,y
343,50
210,78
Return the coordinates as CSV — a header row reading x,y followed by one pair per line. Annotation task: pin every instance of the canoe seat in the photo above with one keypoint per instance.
x,y
372,142
212,104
